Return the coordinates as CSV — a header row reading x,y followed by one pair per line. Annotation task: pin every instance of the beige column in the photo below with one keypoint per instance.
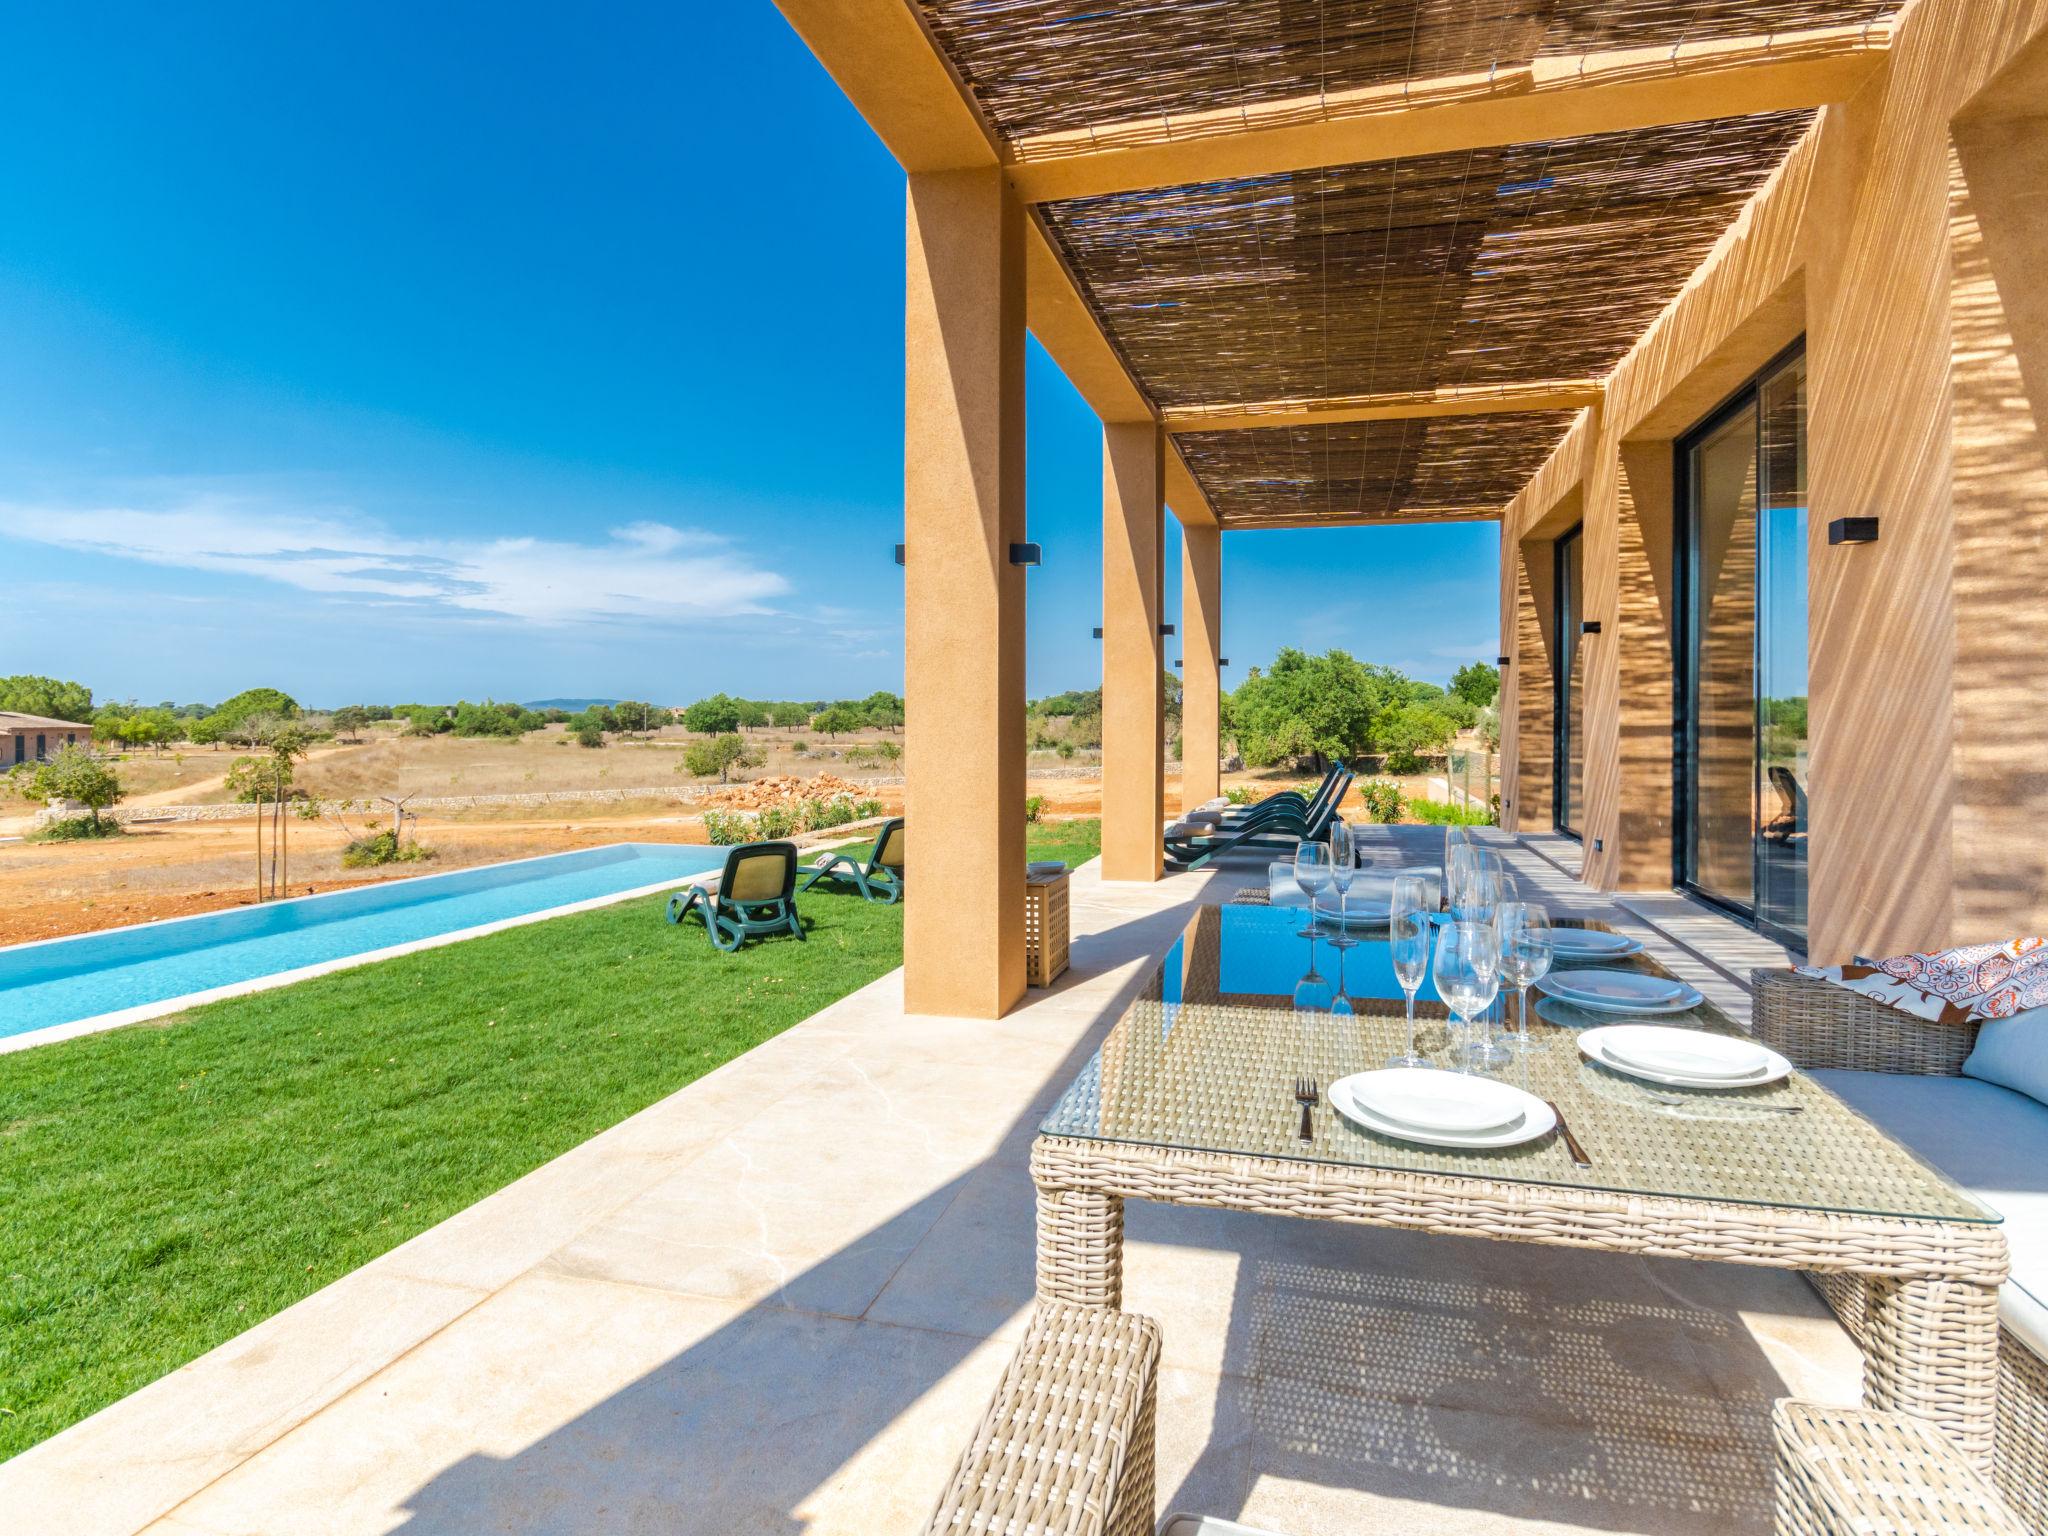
x,y
1201,680
1133,714
963,505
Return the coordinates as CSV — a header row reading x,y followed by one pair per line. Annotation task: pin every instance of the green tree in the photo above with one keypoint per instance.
x,y
883,710
635,715
492,719
1409,732
349,720
789,715
719,755
74,773
837,719
588,731
1307,706
239,718
753,714
1477,684
714,716
47,696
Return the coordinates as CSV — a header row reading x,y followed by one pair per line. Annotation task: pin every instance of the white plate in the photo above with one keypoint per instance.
x,y
1429,1100
1592,944
1620,991
1684,1052
1357,910
1536,1121
1592,1043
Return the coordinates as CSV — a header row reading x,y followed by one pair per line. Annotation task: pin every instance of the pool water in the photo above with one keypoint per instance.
x,y
63,981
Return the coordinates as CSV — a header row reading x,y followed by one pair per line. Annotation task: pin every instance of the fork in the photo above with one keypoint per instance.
x,y
1762,1109
1305,1096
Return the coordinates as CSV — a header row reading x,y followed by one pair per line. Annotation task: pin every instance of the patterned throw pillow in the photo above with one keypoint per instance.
x,y
1969,985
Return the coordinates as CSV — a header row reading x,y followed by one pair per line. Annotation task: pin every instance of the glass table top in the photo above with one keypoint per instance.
x,y
1207,1057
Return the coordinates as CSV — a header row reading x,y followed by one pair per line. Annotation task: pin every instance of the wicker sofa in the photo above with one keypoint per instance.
x,y
1905,1073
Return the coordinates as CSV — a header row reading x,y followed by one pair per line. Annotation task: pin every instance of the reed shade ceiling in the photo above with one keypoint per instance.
x,y
1371,471
1513,265
1039,66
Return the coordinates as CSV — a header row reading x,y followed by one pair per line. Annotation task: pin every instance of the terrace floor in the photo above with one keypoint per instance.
x,y
776,1301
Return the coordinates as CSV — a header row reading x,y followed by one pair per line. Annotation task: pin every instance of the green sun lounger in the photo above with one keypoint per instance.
x,y
880,878
755,897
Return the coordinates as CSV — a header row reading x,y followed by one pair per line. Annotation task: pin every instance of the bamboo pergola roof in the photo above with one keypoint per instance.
x,y
1442,276
1449,468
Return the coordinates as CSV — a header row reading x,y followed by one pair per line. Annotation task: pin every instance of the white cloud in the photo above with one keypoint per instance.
x,y
642,571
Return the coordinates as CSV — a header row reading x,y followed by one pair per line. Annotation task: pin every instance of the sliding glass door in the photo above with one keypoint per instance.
x,y
1570,745
1743,740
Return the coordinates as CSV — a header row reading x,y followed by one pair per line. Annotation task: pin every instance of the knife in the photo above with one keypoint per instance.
x,y
1571,1142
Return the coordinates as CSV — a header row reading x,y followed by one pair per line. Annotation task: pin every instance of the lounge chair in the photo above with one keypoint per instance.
x,y
755,897
880,878
1192,847
1235,817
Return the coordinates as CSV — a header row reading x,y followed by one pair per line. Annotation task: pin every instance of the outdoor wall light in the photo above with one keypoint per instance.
x,y
899,554
1098,631
1166,629
1222,661
1024,554
1853,530
1589,627
1501,661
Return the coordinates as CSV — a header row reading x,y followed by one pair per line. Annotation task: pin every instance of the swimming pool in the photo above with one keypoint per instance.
x,y
59,987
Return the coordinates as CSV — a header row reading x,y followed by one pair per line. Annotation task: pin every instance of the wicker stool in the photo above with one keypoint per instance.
x,y
1045,928
1065,1448
1852,1472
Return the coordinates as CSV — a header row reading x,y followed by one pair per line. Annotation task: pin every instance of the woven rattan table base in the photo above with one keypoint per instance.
x,y
1931,1330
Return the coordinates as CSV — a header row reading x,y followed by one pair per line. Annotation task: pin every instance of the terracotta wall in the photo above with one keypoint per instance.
x,y
1893,239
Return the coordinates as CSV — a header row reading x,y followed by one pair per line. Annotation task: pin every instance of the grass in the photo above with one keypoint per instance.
x,y
1075,842
168,1185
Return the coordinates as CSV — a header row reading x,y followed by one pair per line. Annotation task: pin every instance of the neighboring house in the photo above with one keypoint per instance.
x,y
33,738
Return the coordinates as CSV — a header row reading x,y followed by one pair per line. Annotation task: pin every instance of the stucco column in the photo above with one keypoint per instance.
x,y
963,505
1201,682
1133,712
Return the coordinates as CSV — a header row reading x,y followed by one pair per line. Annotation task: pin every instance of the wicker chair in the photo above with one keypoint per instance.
x,y
1851,1472
1819,1025
1065,1448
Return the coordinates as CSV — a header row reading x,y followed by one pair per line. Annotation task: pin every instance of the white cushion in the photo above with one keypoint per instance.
x,y
2013,1053
1220,803
1206,1525
1202,818
1994,1143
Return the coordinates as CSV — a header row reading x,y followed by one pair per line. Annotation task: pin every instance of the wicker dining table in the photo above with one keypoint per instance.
x,y
1190,1100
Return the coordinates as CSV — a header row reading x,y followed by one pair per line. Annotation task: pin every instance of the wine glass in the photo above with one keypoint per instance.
x,y
1468,980
1525,955
1312,874
1312,993
1410,918
1343,869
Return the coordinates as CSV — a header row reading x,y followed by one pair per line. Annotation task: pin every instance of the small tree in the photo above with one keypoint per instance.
x,y
1477,684
837,719
588,732
349,720
713,716
719,755
75,774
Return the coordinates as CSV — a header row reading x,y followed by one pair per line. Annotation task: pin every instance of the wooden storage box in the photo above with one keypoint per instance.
x,y
1045,928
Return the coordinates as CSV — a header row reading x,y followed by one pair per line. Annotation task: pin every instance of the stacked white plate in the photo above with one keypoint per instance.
x,y
1682,1058
1592,944
1620,991
1441,1109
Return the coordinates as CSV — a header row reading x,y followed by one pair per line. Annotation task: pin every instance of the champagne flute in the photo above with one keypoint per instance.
x,y
1312,874
1410,919
1343,869
1480,984
1526,951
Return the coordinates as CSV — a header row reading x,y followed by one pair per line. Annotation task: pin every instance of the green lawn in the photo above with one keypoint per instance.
x,y
1074,841
167,1185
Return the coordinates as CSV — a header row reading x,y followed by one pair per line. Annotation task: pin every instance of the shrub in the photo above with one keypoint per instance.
x,y
1237,794
800,748
70,829
75,774
890,750
1382,799
1033,805
725,828
1065,750
1442,813
588,733
719,755
255,779
383,848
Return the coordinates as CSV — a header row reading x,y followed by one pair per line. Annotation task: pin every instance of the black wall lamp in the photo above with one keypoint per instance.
x,y
1098,631
1853,530
1502,661
1589,626
1024,554
1166,629
899,554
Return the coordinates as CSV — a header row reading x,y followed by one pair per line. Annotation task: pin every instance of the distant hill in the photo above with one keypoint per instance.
x,y
572,705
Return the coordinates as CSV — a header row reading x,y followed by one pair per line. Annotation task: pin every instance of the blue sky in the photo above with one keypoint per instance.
x,y
394,352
